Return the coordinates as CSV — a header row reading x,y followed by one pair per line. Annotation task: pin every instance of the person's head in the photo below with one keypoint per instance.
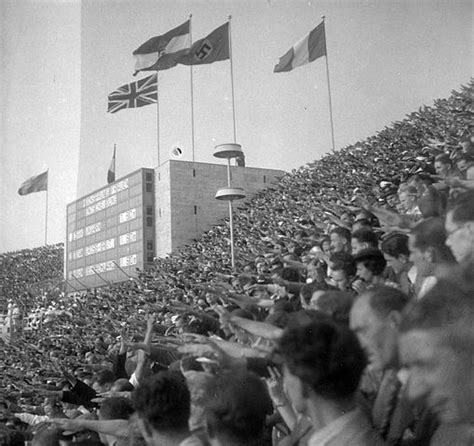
x,y
370,264
114,409
325,245
363,239
442,165
306,292
347,218
460,227
395,250
463,162
436,346
335,304
374,318
362,223
340,239
235,409
103,381
341,270
122,385
163,405
52,407
408,196
322,361
427,244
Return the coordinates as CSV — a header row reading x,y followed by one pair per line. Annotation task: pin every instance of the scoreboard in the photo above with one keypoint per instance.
x,y
111,232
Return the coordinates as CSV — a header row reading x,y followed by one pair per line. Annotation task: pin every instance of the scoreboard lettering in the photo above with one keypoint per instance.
x,y
99,247
128,238
76,235
101,205
92,229
100,267
128,260
128,215
104,193
108,232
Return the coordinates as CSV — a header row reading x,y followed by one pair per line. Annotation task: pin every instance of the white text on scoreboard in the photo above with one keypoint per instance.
x,y
128,215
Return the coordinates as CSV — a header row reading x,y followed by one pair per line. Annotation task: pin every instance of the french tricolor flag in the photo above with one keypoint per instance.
x,y
310,48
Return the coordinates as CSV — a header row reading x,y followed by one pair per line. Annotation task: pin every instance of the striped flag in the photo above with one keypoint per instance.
x,y
136,94
162,52
310,48
37,183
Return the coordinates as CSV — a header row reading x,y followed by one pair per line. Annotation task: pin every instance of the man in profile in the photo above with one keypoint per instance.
x,y
437,348
460,227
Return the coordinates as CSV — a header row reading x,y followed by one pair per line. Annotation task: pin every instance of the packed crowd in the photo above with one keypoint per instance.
x,y
348,319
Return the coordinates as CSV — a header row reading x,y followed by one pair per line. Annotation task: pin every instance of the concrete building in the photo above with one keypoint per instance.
x,y
121,227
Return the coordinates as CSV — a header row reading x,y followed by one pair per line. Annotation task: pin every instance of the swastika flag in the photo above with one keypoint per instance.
x,y
213,48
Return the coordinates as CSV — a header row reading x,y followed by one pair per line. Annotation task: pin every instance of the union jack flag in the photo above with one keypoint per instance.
x,y
136,94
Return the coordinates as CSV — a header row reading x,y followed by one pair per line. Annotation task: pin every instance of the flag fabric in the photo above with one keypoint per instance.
x,y
213,48
111,171
310,48
161,52
137,94
37,183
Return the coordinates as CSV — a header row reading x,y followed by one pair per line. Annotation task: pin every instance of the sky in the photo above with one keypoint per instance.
x,y
60,60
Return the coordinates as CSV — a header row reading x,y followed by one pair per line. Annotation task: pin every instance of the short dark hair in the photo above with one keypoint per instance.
x,y
116,408
104,377
336,304
372,259
163,400
462,207
385,299
395,245
365,235
236,407
342,232
431,233
290,274
443,158
326,356
307,290
343,261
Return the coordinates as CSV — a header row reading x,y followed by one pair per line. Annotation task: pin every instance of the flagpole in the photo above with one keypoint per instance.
x,y
192,88
157,119
232,80
329,91
46,214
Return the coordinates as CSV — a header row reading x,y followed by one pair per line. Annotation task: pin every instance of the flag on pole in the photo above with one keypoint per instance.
x,y
213,48
161,52
310,48
37,183
111,171
137,94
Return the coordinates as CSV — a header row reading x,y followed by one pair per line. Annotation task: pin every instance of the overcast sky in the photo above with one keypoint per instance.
x,y
61,60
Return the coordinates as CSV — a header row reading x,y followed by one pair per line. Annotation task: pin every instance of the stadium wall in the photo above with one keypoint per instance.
x,y
185,203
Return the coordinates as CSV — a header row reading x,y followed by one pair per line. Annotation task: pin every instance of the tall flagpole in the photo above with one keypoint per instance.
x,y
157,119
46,214
232,80
192,88
329,90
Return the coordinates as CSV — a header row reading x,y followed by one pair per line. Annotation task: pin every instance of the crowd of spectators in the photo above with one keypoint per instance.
x,y
347,320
